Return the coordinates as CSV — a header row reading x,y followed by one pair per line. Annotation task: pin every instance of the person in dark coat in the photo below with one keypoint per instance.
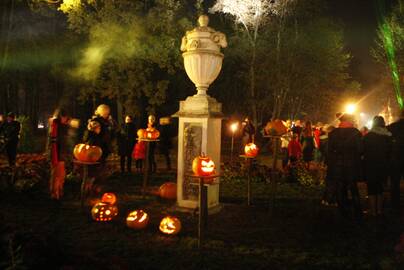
x,y
165,140
376,159
397,168
329,196
151,123
11,132
344,160
126,143
105,137
2,139
248,132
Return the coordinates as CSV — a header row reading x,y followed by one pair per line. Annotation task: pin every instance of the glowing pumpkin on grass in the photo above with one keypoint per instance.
x,y
152,134
203,166
137,220
87,153
251,150
104,212
276,127
109,198
170,225
168,191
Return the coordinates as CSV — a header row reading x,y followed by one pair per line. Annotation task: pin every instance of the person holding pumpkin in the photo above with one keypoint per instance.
x,y
126,143
107,126
248,132
59,152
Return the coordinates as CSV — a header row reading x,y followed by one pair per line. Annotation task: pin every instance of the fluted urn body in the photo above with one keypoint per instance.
x,y
202,56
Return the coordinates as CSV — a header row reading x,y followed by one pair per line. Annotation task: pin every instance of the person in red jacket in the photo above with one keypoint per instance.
x,y
58,152
294,149
139,154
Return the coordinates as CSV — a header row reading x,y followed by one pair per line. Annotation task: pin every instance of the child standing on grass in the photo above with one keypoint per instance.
x,y
139,154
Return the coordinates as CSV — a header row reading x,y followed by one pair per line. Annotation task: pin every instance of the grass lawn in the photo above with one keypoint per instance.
x,y
37,233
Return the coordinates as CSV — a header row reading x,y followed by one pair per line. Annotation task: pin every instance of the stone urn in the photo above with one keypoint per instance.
x,y
202,57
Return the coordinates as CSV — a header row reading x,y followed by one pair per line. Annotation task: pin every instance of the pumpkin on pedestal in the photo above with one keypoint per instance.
x,y
87,153
141,133
109,198
203,166
251,150
104,211
276,128
170,225
168,191
152,133
137,220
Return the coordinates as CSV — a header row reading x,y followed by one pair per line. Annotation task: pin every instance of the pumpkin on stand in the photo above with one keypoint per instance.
x,y
170,225
203,166
104,212
251,150
276,128
87,153
137,220
152,133
141,133
109,198
168,191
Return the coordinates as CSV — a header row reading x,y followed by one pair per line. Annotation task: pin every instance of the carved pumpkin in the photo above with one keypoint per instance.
x,y
251,150
152,133
137,220
87,153
170,225
276,127
141,133
203,166
104,212
109,198
168,191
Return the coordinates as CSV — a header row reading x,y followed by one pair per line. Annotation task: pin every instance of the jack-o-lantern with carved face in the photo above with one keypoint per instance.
x,y
251,150
109,198
170,225
137,220
104,212
203,166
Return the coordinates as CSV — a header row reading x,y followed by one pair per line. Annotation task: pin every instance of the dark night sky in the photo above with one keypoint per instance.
x,y
359,18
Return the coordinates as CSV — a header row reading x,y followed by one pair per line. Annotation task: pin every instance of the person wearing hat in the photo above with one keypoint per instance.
x,y
397,168
11,131
376,160
344,163
59,152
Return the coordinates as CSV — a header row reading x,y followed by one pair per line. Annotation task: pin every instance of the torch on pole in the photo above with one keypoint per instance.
x,y
233,128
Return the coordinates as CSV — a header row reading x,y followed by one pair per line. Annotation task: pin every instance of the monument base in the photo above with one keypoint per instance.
x,y
199,131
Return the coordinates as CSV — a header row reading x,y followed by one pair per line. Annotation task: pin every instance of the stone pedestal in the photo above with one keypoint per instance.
x,y
199,132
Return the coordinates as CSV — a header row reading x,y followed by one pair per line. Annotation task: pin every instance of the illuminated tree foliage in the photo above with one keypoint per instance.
x,y
132,49
390,44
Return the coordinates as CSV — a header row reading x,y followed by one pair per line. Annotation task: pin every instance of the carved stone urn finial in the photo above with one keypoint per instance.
x,y
202,56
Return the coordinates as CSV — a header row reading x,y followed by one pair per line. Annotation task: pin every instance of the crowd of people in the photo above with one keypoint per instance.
x,y
374,155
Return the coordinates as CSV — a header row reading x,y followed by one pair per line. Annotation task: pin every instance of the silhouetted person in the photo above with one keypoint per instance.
x,y
344,160
152,145
11,131
397,168
248,132
126,143
307,140
165,140
376,160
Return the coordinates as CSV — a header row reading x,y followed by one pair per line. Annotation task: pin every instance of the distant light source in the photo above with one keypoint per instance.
x,y
362,114
369,124
234,127
350,108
